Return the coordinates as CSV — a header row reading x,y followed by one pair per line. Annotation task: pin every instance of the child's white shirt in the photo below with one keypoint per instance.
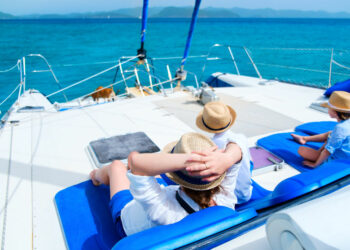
x,y
238,176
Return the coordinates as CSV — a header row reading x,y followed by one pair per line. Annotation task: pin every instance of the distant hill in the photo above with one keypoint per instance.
x,y
271,13
88,15
186,12
5,15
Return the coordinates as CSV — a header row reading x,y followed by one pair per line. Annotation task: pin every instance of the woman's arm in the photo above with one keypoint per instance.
x,y
155,164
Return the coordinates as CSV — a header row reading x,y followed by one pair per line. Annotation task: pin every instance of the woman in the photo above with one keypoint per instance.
x,y
138,202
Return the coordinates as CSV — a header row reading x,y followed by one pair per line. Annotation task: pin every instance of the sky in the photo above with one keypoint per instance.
x,y
21,7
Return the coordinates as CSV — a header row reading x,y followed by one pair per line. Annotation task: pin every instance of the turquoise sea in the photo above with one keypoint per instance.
x,y
77,49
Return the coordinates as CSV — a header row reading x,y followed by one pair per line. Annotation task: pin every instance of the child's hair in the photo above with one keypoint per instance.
x,y
203,197
343,116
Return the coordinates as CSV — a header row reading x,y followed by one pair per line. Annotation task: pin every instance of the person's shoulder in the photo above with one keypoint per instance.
x,y
238,137
342,127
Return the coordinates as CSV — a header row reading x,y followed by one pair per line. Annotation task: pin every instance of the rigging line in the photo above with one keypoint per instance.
x,y
7,192
190,33
7,70
112,84
291,67
178,57
10,95
83,64
303,49
88,78
340,65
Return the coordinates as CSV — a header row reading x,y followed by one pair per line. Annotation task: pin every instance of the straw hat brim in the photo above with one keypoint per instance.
x,y
330,106
175,178
200,124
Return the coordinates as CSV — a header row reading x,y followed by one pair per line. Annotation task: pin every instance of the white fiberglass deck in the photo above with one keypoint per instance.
x,y
46,151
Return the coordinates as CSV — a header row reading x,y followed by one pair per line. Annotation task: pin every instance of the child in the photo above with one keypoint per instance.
x,y
138,202
218,118
337,142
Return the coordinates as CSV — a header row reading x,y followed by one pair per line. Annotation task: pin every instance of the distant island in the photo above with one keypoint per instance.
x,y
185,12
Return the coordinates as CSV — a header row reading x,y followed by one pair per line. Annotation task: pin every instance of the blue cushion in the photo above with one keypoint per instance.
x,y
313,128
284,146
340,86
258,193
192,228
85,216
301,184
87,222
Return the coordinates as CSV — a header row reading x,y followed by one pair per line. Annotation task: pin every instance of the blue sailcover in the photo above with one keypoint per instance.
x,y
339,86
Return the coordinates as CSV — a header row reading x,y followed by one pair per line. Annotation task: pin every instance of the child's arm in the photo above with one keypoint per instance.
x,y
155,164
216,162
323,156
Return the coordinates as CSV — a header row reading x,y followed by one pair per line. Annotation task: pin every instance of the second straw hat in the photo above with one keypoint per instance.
x,y
216,117
339,101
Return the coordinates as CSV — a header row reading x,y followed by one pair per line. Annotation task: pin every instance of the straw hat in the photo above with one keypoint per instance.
x,y
339,101
216,117
188,143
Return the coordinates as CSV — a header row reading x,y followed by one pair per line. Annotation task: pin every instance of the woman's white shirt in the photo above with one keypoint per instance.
x,y
155,204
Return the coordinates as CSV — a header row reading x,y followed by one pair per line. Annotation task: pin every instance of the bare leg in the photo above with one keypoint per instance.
x,y
317,138
113,175
118,180
309,154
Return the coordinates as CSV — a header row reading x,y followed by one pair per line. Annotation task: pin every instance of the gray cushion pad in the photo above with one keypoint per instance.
x,y
119,147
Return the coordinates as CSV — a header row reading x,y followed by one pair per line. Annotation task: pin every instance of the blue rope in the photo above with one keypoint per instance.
x,y
144,21
190,33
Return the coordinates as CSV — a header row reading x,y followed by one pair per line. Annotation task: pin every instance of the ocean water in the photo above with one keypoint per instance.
x,y
77,49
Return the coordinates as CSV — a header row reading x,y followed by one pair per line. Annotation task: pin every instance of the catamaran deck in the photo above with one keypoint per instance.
x,y
45,152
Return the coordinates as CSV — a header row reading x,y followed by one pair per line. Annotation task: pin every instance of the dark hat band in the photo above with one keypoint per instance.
x,y
215,129
189,179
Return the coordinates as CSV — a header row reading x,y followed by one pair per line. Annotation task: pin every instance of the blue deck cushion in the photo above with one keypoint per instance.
x,y
87,222
284,146
339,86
301,184
258,194
85,217
192,228
313,128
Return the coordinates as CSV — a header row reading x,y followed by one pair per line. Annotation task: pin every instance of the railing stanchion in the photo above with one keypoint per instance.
x,y
24,73
138,82
251,60
149,75
170,78
330,69
122,73
233,59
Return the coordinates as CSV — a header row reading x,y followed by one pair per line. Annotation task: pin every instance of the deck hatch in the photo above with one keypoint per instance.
x,y
119,147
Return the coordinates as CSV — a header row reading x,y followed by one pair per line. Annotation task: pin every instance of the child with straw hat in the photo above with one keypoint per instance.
x,y
218,118
337,142
139,202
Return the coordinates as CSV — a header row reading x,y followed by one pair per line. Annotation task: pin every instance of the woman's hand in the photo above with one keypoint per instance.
x,y
213,163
